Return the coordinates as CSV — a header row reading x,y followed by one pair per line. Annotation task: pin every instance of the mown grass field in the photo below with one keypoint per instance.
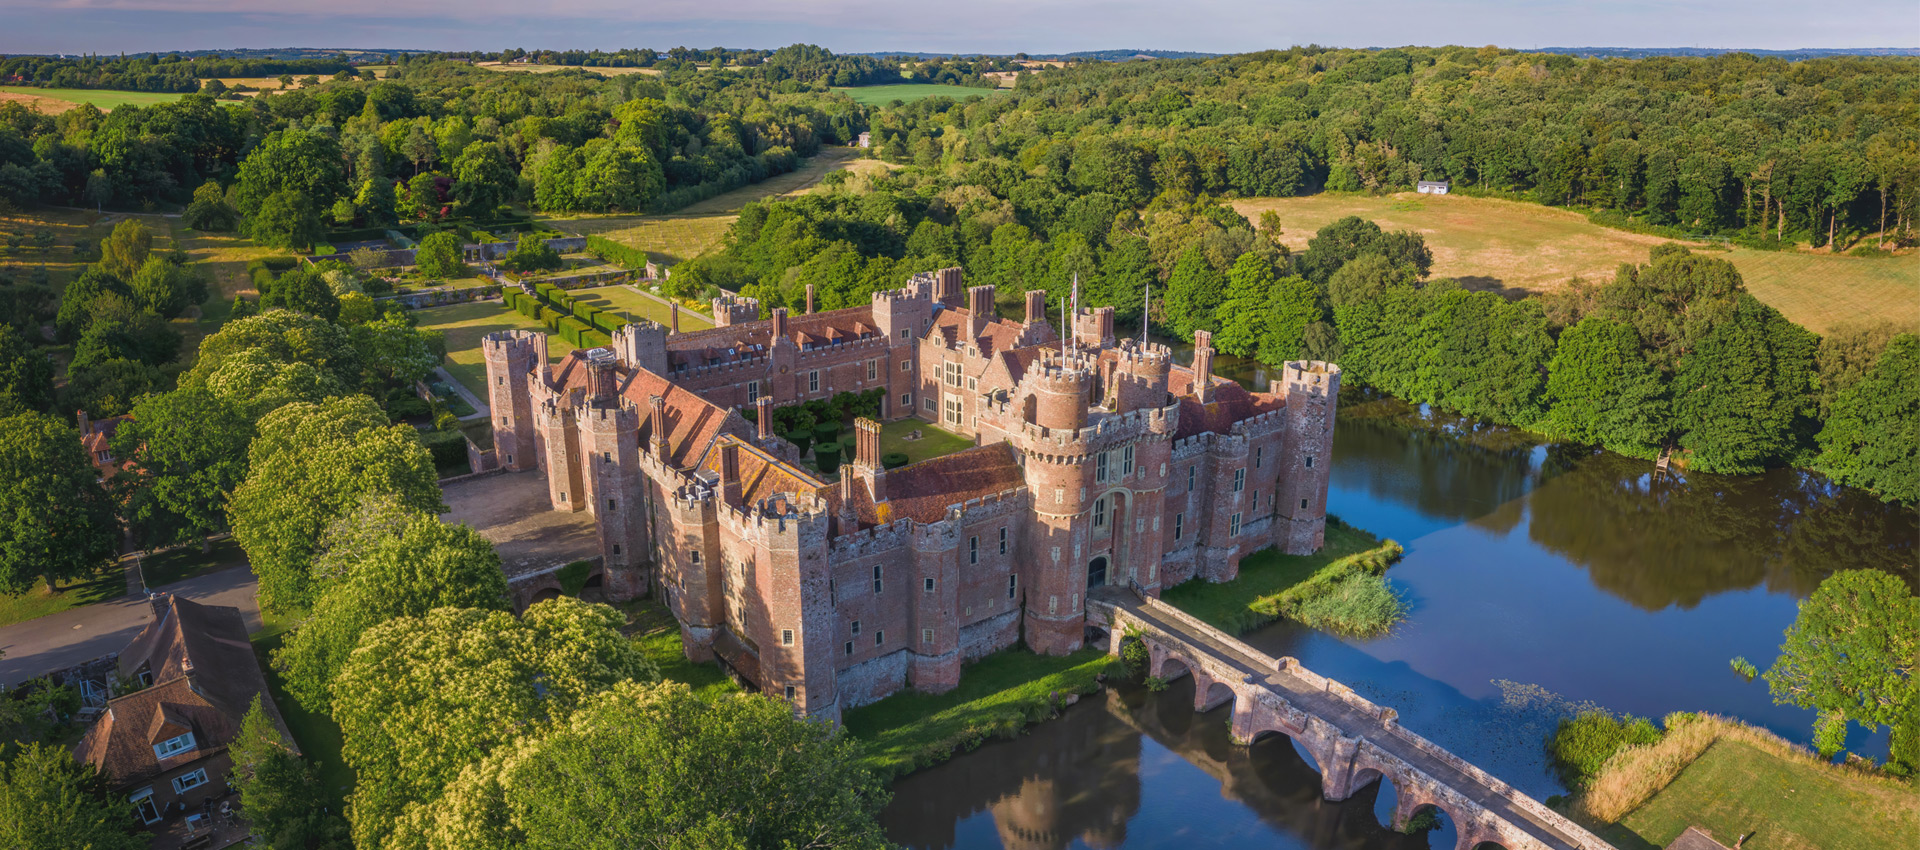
x,y
1225,605
108,582
652,626
933,441
465,324
627,302
1513,246
104,99
909,92
1736,788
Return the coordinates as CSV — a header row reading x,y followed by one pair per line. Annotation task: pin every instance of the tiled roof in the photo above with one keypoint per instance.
x,y
762,476
1231,403
693,423
205,677
923,491
754,338
99,435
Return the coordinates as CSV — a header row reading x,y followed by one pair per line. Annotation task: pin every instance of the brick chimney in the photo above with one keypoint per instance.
x,y
763,416
946,287
657,421
809,299
673,317
979,308
1036,306
866,457
1203,366
779,323
730,472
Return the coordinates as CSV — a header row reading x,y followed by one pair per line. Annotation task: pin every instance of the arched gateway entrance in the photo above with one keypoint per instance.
x,y
1097,573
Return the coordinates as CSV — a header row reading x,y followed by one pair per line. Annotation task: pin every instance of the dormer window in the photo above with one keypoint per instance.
x,y
173,746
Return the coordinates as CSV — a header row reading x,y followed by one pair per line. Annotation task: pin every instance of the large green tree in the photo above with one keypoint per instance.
x,y
1602,391
383,561
26,375
655,766
305,162
50,802
309,465
165,288
287,219
1744,392
1872,438
1853,652
1194,292
188,449
56,521
280,792
439,255
422,698
483,179
272,340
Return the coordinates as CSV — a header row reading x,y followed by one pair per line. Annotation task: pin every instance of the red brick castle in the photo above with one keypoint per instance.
x,y
1098,462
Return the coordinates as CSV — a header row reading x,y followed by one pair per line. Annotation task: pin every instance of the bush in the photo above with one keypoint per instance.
x,y
573,577
449,450
893,460
826,432
616,253
1584,742
800,439
533,254
826,456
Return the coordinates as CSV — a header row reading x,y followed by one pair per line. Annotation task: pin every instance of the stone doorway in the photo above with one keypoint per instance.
x,y
1097,573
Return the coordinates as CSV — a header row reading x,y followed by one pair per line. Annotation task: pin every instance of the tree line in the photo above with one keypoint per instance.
x,y
153,71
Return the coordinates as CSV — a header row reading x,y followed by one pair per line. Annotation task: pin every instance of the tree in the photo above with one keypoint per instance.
x,y
376,202
99,189
1194,291
382,562
286,219
1340,242
48,801
1744,392
423,200
189,448
424,697
484,178
279,791
302,289
306,163
26,376
1377,310
532,253
271,340
311,464
1293,309
1848,352
1244,317
79,303
1872,439
1481,355
165,288
126,248
733,772
209,210
1602,391
439,255
56,521
1853,651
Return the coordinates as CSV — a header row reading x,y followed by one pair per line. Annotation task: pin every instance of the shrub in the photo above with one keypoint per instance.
x,y
1584,742
573,577
448,448
800,439
893,460
826,432
827,457
1744,667
532,253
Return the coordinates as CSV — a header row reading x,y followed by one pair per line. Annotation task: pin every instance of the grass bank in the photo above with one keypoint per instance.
x,y
103,99
1339,589
1734,780
108,582
317,735
998,696
652,626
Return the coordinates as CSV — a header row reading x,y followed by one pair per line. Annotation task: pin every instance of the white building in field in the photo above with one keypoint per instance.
x,y
1431,187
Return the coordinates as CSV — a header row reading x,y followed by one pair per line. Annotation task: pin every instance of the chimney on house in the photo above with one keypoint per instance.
x,y
947,286
1203,366
763,417
979,309
730,471
673,317
86,424
779,323
809,299
657,422
866,457
602,381
1036,306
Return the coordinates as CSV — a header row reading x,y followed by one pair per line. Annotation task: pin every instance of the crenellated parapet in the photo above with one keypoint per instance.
x,y
1107,431
735,310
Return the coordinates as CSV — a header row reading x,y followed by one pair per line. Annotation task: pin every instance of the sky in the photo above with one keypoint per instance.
x,y
976,26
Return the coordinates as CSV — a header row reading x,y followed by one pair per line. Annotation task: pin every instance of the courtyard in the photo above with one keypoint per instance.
x,y
510,510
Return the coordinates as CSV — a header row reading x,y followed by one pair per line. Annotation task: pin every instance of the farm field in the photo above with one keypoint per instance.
x,y
465,324
625,301
105,99
548,69
1512,246
909,92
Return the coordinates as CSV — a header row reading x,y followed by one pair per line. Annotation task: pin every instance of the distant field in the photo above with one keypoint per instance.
x,y
909,92
1516,246
104,99
548,69
465,324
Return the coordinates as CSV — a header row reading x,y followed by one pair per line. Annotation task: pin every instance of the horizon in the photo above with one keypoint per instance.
x,y
995,28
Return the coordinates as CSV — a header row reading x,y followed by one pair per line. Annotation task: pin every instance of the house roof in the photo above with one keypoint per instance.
x,y
762,476
692,422
1231,403
205,676
923,491
752,339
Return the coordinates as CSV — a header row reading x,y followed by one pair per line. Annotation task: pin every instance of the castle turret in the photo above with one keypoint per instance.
x,y
1093,328
610,449
1203,366
1059,388
735,310
514,359
1141,376
641,345
1312,390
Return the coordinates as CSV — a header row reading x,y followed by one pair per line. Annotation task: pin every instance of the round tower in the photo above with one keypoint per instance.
x,y
1060,388
1142,376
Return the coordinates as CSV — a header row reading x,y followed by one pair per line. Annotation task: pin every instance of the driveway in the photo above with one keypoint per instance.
x,y
58,641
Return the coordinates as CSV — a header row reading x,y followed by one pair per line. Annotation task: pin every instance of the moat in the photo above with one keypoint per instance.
x,y
1540,578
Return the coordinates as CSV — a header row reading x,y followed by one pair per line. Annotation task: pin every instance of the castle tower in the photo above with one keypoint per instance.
x,y
514,359
641,345
1203,366
566,486
1312,390
1059,388
1141,376
934,663
735,310
1059,473
794,554
1093,328
610,447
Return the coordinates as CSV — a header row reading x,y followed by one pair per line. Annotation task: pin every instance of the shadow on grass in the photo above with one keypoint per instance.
x,y
108,583
163,568
318,737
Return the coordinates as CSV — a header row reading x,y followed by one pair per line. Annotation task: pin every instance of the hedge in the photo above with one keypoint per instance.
x,y
586,313
609,322
894,460
616,253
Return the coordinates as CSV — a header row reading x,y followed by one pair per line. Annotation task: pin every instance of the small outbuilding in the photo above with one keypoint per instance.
x,y
1431,187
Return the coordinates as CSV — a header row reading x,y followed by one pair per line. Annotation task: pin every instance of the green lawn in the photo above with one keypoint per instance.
x,y
106,584
1226,605
909,92
465,324
317,735
933,442
1736,788
653,627
102,98
185,562
624,301
998,696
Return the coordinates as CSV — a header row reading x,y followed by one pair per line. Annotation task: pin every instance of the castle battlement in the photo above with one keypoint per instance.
x,y
876,342
1261,423
747,363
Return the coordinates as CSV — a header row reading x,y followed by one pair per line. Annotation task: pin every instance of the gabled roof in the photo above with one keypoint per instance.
x,y
762,476
205,676
923,491
1231,403
693,423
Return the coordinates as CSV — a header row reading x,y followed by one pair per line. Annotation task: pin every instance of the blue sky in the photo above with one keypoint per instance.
x,y
999,26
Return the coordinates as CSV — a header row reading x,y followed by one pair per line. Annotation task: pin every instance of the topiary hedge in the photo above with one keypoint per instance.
x,y
894,460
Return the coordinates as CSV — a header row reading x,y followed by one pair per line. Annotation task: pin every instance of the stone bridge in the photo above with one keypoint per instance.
x,y
1352,741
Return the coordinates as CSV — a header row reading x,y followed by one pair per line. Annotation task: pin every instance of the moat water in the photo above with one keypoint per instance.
x,y
1540,579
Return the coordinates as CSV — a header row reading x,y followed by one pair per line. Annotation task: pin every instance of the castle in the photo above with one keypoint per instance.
x,y
1097,462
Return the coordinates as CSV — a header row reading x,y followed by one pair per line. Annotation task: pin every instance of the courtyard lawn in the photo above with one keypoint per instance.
x,y
104,99
653,627
318,737
465,324
1263,574
625,301
933,442
184,562
108,582
1737,788
1514,247
910,92
998,696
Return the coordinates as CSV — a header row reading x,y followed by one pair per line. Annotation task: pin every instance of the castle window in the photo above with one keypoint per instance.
x,y
1190,473
879,636
1100,513
1233,525
1100,467
1256,500
509,458
926,636
1309,461
1257,451
830,599
694,556
856,628
1059,495
1126,461
927,403
1303,504
873,370
1239,480
786,637
929,585
876,579
563,495
1003,540
954,412
607,456
612,505
1053,605
813,381
753,390
503,420
1013,583
789,693
173,746
616,548
1179,521
973,383
906,401
973,551
849,647
500,382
